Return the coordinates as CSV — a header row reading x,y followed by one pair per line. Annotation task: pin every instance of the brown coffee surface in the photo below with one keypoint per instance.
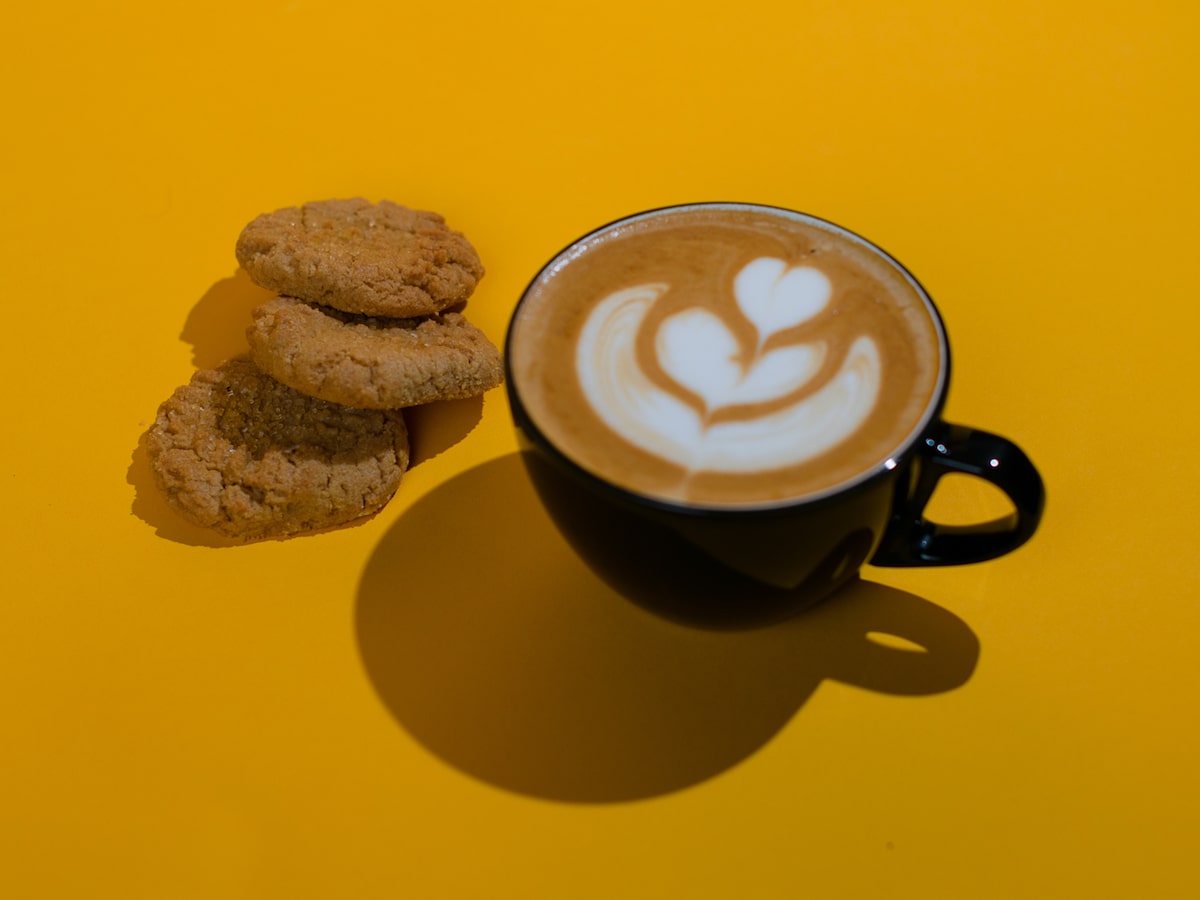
x,y
709,378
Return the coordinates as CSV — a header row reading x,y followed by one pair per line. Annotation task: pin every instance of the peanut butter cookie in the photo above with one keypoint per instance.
x,y
378,259
236,451
372,362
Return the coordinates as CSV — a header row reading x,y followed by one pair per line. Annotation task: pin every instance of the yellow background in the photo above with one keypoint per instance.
x,y
416,707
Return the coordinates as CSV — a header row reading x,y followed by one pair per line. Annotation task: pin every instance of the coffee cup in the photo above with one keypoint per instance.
x,y
746,401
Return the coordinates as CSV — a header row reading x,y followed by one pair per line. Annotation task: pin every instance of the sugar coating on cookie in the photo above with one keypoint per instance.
x,y
372,362
378,259
236,451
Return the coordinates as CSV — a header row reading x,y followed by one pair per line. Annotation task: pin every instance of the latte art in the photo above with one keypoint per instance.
x,y
726,355
699,353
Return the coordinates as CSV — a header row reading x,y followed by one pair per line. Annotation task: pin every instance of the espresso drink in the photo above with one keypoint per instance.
x,y
725,355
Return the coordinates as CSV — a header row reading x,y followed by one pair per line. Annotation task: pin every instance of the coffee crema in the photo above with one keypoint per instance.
x,y
724,355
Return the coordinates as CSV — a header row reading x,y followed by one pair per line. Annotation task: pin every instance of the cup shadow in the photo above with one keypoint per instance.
x,y
216,329
506,657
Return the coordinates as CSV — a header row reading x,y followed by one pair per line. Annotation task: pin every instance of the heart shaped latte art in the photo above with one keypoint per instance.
x,y
700,353
774,296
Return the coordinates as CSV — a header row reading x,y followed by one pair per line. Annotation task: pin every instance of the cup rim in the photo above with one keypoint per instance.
x,y
893,462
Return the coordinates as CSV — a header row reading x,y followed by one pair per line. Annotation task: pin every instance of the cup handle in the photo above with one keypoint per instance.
x,y
912,540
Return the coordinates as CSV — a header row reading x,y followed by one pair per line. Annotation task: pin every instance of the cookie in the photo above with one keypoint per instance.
x,y
377,259
238,452
372,362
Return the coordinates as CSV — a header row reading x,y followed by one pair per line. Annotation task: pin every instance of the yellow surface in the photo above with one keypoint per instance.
x,y
443,702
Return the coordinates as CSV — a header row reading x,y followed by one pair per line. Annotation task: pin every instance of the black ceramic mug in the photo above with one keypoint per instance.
x,y
728,409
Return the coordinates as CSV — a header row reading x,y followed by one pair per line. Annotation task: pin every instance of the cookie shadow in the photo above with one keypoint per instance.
x,y
216,325
504,656
435,427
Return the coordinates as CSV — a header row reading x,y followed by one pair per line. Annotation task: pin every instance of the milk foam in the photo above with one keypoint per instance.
x,y
701,354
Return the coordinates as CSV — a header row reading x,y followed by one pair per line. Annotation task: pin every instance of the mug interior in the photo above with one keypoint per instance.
x,y
579,248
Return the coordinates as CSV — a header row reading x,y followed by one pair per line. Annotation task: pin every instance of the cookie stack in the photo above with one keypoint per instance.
x,y
307,433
